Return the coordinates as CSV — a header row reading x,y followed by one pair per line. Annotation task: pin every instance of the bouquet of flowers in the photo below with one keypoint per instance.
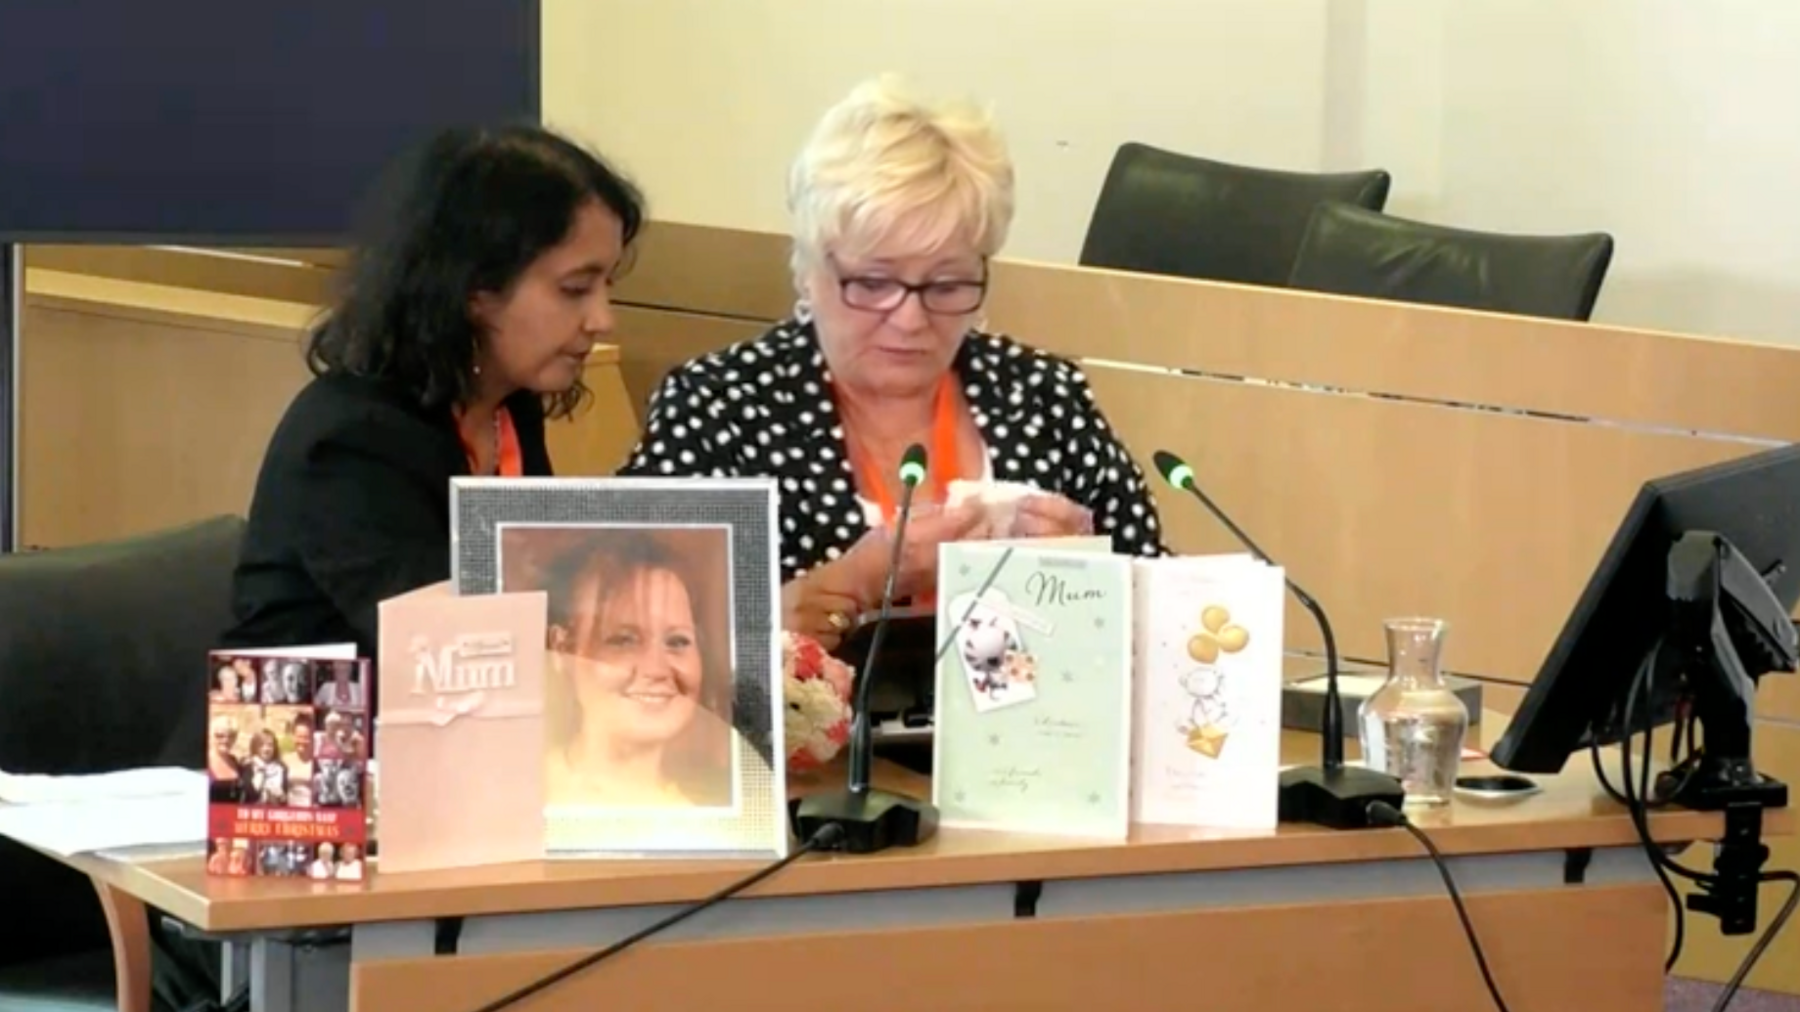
x,y
816,687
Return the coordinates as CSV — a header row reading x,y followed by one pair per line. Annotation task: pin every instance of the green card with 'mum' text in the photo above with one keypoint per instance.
x,y
1033,729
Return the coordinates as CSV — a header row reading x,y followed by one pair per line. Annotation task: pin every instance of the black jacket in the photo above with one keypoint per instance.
x,y
352,507
763,408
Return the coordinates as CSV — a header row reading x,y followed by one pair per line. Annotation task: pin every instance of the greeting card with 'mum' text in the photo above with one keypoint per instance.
x,y
1034,691
461,729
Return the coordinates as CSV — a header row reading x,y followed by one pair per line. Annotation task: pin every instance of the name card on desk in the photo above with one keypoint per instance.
x,y
461,729
1034,695
1206,745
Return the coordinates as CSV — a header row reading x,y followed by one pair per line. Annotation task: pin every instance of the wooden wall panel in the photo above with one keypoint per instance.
x,y
595,440
130,424
715,271
285,275
652,342
1778,698
146,405
1411,351
1425,352
1387,507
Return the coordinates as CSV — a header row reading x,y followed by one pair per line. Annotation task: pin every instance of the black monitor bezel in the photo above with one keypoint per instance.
x,y
1567,709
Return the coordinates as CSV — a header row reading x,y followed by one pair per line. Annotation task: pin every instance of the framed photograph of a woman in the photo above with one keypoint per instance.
x,y
662,667
638,696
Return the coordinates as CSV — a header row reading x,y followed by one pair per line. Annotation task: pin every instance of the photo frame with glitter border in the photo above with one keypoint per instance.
x,y
753,823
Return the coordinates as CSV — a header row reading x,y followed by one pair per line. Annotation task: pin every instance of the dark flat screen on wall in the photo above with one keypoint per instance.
x,y
248,121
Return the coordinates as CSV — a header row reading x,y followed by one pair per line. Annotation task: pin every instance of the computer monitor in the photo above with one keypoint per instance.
x,y
1753,502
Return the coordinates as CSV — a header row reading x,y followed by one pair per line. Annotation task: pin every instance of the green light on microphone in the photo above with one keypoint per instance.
x,y
1181,476
912,466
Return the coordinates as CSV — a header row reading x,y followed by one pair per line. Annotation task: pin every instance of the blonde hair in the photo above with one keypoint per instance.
x,y
883,163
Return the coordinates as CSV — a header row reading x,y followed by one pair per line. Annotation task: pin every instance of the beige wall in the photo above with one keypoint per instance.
x,y
1669,123
707,101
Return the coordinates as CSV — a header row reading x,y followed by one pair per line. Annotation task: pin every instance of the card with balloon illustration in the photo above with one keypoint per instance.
x,y
1206,743
1032,730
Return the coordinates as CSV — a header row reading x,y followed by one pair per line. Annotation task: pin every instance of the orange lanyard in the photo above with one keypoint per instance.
x,y
506,442
942,469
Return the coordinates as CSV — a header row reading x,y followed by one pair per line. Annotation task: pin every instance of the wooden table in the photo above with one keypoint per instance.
x,y
1568,910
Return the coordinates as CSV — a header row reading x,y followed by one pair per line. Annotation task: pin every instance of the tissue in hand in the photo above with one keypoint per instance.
x,y
998,499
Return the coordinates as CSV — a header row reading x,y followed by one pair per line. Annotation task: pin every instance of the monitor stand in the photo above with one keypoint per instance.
x,y
1725,622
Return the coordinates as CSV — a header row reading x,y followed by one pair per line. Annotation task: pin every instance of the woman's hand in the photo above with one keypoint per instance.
x,y
823,603
927,527
1051,516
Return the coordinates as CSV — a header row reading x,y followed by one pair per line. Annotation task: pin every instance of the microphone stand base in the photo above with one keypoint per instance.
x,y
1336,798
872,820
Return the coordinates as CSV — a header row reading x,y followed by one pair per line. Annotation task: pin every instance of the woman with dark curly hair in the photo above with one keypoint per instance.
x,y
466,321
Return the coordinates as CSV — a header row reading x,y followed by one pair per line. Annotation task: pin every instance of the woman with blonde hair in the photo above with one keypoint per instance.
x,y
898,206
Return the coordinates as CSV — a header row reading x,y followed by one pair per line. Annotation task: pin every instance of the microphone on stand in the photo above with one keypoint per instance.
x,y
1329,794
870,819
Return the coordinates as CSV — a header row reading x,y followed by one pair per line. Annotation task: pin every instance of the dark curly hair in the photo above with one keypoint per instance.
x,y
467,212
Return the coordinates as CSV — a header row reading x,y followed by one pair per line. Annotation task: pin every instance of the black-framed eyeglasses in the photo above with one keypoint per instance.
x,y
943,298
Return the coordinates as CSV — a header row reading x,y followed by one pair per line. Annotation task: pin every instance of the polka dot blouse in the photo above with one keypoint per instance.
x,y
763,408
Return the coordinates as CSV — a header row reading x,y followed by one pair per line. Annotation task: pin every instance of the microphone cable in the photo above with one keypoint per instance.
x,y
1660,861
1383,814
825,838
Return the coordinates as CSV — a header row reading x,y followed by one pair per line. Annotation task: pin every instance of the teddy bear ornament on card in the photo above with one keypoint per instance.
x,y
1209,717
1001,671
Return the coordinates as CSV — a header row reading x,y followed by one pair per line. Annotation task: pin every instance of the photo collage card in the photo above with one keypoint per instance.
x,y
287,757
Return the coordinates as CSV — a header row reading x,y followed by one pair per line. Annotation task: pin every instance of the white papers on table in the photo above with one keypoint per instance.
x,y
150,782
106,812
151,853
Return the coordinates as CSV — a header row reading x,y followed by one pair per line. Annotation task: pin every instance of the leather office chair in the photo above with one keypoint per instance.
x,y
1165,213
1353,251
102,668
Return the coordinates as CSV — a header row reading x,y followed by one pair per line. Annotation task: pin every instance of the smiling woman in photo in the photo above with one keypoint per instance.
x,y
639,674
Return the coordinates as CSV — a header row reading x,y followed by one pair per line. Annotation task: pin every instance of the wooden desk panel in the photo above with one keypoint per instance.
x,y
1399,955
